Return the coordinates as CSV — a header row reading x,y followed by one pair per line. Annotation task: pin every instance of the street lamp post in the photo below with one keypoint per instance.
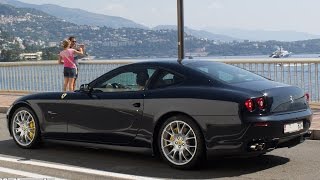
x,y
180,30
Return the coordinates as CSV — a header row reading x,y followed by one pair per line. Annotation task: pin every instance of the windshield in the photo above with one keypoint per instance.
x,y
225,73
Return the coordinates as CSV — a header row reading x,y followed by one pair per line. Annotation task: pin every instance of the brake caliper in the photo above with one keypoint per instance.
x,y
32,129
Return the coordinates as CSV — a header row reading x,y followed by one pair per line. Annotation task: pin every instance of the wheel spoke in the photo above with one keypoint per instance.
x,y
28,138
23,116
169,133
167,140
188,133
172,150
16,120
171,129
21,135
189,151
190,138
28,120
181,130
188,146
174,155
180,156
178,130
182,152
168,145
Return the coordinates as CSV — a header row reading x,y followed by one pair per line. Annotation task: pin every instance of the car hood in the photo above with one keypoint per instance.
x,y
46,95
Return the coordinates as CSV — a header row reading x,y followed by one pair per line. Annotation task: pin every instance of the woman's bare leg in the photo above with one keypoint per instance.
x,y
70,84
65,84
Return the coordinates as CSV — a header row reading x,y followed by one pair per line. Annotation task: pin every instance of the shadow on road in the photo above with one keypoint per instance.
x,y
140,164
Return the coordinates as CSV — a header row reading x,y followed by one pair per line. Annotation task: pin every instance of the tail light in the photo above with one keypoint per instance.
x,y
249,105
261,103
307,97
252,104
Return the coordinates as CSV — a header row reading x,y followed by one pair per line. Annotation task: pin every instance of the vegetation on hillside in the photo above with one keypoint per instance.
x,y
29,30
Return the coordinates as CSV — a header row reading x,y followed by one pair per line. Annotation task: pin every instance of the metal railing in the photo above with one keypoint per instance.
x,y
48,76
303,73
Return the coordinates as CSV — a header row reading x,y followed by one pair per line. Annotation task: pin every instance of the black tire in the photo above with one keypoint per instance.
x,y
179,143
32,128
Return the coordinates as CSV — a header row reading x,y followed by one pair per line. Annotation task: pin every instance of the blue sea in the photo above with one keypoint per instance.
x,y
302,56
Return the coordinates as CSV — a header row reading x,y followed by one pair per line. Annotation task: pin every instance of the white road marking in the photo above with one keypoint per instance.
x,y
75,169
26,174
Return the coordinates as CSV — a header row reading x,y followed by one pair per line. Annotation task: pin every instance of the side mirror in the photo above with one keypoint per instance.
x,y
85,88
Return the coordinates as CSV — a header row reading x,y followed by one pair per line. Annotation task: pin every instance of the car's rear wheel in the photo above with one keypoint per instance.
x,y
181,143
25,128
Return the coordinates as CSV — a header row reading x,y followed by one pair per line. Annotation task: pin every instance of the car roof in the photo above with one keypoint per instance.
x,y
171,62
174,65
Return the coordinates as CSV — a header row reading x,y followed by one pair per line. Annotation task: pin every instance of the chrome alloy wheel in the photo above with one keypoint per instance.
x,y
178,142
23,128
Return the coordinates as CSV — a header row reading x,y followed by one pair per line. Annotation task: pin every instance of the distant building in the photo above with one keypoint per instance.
x,y
52,44
31,56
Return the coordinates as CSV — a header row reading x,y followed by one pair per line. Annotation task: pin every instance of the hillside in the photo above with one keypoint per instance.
x,y
32,24
263,35
41,30
36,30
200,33
78,16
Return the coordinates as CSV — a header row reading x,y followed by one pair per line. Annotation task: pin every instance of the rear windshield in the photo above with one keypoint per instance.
x,y
224,72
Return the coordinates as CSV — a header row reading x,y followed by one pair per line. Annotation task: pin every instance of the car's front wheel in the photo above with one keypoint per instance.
x,y
181,143
25,128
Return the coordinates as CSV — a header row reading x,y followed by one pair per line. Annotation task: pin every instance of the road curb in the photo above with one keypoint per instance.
x,y
315,134
4,109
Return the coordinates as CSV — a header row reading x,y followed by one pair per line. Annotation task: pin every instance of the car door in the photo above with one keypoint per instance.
x,y
54,109
108,113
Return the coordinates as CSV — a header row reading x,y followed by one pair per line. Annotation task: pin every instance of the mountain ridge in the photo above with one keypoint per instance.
x,y
263,35
82,17
200,33
78,16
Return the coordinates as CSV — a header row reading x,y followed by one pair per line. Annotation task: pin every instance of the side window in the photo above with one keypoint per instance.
x,y
225,76
166,79
219,75
133,80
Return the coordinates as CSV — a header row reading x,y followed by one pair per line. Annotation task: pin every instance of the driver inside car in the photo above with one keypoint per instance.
x,y
141,79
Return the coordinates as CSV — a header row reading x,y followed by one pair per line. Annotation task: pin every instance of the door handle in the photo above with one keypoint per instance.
x,y
52,113
136,104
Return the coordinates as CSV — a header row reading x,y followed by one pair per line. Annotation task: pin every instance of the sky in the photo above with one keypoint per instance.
x,y
276,15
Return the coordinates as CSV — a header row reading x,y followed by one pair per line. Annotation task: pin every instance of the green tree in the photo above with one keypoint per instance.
x,y
50,53
10,55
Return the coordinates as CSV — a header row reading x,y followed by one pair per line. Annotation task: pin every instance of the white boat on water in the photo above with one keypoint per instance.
x,y
280,53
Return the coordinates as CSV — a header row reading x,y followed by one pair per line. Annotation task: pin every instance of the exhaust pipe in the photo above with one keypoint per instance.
x,y
254,147
261,146
257,146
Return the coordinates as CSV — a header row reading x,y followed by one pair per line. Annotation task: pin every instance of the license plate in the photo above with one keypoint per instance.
x,y
293,127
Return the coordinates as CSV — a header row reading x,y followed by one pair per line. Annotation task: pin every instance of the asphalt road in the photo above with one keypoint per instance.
x,y
74,162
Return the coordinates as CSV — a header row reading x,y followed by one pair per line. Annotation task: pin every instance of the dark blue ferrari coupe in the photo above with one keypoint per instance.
x,y
183,112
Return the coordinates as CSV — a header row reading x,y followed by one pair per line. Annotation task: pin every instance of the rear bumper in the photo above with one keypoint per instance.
x,y
244,149
252,140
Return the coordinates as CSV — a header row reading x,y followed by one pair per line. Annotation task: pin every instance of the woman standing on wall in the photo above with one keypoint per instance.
x,y
66,57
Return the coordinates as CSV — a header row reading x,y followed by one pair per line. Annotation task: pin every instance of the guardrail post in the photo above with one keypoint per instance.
x,y
180,30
